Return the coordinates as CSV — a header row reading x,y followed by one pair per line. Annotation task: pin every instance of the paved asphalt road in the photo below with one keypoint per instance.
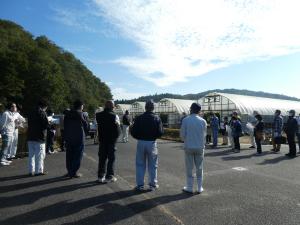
x,y
240,188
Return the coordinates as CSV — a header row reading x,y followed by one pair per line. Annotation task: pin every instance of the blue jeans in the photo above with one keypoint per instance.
x,y
215,136
146,153
7,142
74,153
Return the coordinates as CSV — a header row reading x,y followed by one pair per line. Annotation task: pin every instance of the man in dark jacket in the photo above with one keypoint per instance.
x,y
146,129
37,127
75,129
126,124
108,130
291,130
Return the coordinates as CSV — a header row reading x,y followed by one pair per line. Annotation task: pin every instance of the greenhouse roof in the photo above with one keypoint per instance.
x,y
264,106
182,105
123,107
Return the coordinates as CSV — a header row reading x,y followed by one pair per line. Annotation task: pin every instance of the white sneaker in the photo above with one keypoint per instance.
x,y
3,163
101,180
153,187
200,190
112,179
187,190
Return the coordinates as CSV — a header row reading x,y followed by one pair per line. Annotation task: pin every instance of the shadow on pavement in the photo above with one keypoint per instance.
x,y
31,197
14,177
274,161
109,212
21,186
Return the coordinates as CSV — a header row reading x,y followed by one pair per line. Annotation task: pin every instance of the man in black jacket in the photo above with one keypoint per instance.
x,y
108,130
147,128
75,130
37,127
126,124
291,130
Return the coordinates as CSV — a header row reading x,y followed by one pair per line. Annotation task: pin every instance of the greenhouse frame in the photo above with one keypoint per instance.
x,y
171,111
137,108
121,108
224,104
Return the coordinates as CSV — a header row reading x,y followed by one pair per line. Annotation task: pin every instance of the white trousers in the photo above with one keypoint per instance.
x,y
37,154
125,133
12,151
252,139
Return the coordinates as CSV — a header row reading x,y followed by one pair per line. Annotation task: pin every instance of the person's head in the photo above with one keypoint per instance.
x,y
66,111
149,107
49,112
78,105
258,117
11,107
277,112
225,118
109,105
126,112
235,114
292,113
42,104
195,108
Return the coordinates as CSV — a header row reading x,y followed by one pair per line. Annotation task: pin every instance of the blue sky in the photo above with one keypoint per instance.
x,y
141,47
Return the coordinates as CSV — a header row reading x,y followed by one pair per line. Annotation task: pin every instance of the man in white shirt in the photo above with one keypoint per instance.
x,y
193,132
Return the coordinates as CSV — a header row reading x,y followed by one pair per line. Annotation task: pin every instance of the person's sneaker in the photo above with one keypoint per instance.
x,y
252,146
111,179
31,174
186,190
200,191
257,153
290,155
6,160
3,163
153,187
41,174
236,150
77,175
139,188
102,180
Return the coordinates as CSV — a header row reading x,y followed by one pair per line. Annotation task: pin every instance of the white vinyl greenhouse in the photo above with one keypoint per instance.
x,y
171,111
137,108
224,104
121,108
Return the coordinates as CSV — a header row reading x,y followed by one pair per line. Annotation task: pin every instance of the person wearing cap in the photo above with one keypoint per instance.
x,y
193,132
36,135
277,129
109,130
215,124
291,130
237,131
75,130
146,129
258,133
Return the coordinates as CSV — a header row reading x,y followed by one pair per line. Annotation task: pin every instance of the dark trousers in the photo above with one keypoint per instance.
x,y
62,143
74,153
292,144
298,138
106,160
237,143
50,142
258,144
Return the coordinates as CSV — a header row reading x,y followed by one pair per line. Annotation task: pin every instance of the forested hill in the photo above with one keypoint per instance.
x,y
34,67
158,97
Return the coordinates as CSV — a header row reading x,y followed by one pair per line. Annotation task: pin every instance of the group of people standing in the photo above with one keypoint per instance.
x,y
232,130
146,128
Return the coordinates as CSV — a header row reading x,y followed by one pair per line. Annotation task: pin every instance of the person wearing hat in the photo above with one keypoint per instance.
x,y
277,129
109,130
193,132
146,129
258,133
291,130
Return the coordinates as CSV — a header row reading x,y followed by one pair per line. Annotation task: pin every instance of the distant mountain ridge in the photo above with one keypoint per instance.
x,y
158,97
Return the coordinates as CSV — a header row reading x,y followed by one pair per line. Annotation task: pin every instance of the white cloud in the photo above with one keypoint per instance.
x,y
183,39
122,93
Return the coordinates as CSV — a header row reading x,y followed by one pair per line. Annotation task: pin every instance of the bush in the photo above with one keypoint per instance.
x,y
171,134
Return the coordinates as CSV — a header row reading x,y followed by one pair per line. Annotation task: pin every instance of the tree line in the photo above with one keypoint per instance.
x,y
34,67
